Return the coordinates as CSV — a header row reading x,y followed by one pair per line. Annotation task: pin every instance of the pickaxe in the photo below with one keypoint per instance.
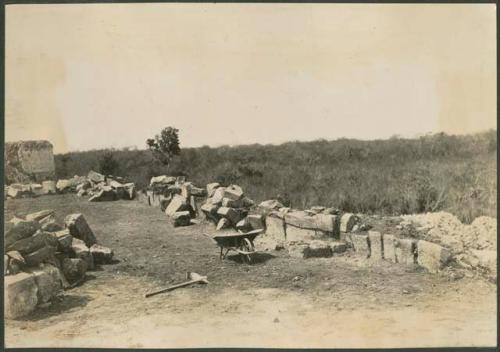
x,y
192,277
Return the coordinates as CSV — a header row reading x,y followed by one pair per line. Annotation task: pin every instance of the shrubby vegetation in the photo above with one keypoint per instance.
x,y
395,176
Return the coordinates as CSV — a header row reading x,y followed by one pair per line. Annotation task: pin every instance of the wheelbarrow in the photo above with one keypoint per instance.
x,y
241,242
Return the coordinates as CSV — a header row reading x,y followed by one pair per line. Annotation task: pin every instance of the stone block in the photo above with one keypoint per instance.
x,y
327,223
63,186
233,215
82,251
39,215
74,269
296,234
181,218
271,204
405,251
95,177
101,254
130,191
300,219
20,295
218,195
255,221
233,192
49,187
361,245
297,250
48,281
64,240
223,224
211,187
347,222
39,256
376,245
275,228
37,189
338,246
389,247
230,203
244,225
318,249
19,229
33,243
79,228
105,194
432,256
177,204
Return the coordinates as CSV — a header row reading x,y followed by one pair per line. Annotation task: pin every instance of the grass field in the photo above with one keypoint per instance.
x,y
388,177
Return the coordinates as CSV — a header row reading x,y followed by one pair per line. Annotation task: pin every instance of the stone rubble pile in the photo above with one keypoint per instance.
x,y
99,187
228,207
42,257
470,246
175,197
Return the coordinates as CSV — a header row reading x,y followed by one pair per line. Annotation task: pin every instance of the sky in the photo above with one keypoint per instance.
x,y
90,76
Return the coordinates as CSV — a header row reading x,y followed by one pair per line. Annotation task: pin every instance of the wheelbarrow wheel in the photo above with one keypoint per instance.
x,y
247,246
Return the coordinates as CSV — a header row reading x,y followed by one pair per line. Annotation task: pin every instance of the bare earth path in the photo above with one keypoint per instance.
x,y
277,302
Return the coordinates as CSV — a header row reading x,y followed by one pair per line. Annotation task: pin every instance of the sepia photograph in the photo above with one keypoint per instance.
x,y
250,175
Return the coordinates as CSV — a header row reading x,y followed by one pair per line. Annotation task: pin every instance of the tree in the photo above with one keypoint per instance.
x,y
108,164
165,145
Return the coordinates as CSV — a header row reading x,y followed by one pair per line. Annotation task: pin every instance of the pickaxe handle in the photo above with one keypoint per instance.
x,y
170,288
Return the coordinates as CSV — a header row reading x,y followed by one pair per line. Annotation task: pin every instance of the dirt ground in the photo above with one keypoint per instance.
x,y
278,301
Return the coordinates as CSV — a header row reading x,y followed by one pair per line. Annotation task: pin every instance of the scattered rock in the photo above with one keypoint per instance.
x,y
78,228
177,204
48,282
20,295
101,254
181,218
432,256
81,251
74,269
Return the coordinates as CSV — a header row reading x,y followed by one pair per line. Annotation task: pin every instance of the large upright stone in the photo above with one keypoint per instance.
x,y
20,295
405,251
177,204
389,247
78,228
376,245
275,228
360,244
432,256
129,190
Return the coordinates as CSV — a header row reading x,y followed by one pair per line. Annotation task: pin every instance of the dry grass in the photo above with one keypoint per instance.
x,y
389,177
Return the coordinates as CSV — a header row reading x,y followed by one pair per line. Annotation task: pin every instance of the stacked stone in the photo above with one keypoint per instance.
x,y
30,190
175,197
228,207
42,257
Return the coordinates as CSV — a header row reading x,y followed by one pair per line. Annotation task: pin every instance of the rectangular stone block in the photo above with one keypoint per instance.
x,y
389,247
376,249
296,234
405,251
360,244
79,228
48,281
20,295
177,204
432,256
275,228
347,222
300,219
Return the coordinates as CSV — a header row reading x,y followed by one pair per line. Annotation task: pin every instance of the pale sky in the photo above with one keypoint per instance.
x,y
112,75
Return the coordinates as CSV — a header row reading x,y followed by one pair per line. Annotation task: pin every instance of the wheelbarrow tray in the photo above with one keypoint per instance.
x,y
232,239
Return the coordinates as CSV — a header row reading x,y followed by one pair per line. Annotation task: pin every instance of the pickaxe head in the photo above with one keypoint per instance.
x,y
197,277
